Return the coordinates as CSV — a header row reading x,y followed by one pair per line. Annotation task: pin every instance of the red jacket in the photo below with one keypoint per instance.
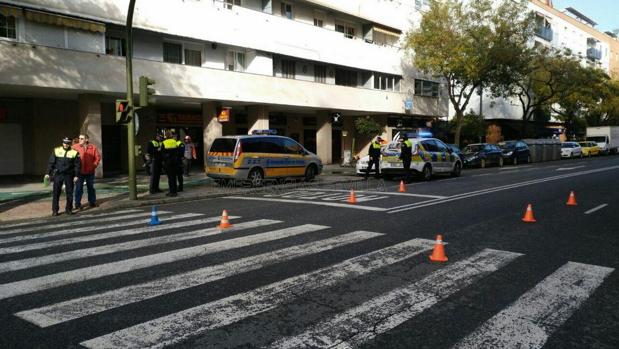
x,y
89,157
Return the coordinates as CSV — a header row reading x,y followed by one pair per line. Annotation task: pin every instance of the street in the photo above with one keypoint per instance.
x,y
303,268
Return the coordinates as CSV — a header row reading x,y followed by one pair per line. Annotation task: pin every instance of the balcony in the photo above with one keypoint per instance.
x,y
594,54
544,33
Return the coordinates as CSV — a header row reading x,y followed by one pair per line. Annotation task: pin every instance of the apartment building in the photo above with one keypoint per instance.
x,y
305,68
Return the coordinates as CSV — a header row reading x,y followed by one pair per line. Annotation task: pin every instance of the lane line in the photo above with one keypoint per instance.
x,y
530,320
596,208
85,220
84,229
330,204
126,246
76,308
173,328
381,193
94,272
362,323
569,168
114,234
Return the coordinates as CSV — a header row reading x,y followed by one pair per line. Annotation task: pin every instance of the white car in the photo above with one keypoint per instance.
x,y
430,155
571,150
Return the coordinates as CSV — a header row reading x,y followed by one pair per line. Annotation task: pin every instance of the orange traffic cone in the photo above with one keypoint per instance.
x,y
352,199
225,223
528,216
438,255
402,187
571,201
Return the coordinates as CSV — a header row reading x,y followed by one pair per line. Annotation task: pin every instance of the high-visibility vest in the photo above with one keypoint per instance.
x,y
408,143
170,144
155,143
375,145
60,152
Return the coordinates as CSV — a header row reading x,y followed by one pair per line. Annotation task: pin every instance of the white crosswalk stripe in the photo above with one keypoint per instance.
x,y
173,328
88,273
114,234
530,320
57,313
385,312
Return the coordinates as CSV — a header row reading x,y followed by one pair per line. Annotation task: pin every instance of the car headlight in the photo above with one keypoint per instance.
x,y
509,153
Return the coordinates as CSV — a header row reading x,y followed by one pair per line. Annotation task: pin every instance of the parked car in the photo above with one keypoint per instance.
x,y
571,150
515,152
606,137
456,150
482,155
589,148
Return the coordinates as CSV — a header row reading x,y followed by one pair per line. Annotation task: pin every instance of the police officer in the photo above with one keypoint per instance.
x,y
153,152
406,154
181,153
374,153
63,166
169,152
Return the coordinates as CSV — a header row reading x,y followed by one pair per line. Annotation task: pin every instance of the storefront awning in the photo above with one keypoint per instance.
x,y
49,18
11,11
386,31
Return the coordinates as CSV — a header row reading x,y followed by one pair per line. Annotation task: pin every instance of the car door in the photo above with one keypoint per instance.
x,y
429,154
295,156
443,156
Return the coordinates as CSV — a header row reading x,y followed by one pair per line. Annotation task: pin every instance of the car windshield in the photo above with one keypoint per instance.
x,y
567,145
473,148
508,145
600,139
584,144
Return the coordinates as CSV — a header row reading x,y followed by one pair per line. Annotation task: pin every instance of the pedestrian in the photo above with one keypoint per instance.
x,y
189,154
63,167
170,157
154,162
179,169
90,160
406,155
374,154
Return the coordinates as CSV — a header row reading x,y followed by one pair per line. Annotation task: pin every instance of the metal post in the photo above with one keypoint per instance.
x,y
133,190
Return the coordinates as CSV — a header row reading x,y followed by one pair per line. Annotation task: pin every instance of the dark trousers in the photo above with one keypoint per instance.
x,y
90,187
155,174
407,168
373,161
59,180
186,166
179,176
171,172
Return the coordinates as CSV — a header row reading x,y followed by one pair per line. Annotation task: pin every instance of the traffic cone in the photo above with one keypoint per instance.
x,y
225,223
528,216
352,199
438,255
571,201
154,218
402,187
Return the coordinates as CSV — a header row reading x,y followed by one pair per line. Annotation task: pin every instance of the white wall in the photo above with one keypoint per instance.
x,y
11,152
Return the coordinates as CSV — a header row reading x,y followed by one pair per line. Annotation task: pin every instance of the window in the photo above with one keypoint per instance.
x,y
347,29
7,27
426,88
287,10
386,82
235,61
292,147
319,18
115,46
318,22
440,146
193,57
288,69
320,73
429,145
172,53
230,3
344,77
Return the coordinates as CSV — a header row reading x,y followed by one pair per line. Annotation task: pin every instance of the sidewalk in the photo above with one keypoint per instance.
x,y
25,197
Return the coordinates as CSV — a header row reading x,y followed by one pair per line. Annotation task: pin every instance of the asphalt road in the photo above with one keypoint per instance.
x,y
305,269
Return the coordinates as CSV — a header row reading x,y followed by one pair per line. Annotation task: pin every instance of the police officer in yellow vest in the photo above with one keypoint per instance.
x,y
406,155
153,152
63,166
374,154
169,152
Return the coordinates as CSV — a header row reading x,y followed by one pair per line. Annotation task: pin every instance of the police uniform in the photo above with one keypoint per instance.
x,y
169,154
406,154
374,154
153,150
63,167
179,174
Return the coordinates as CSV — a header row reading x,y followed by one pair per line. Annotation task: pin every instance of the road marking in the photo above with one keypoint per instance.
x,y
84,220
28,286
596,208
484,174
76,308
173,328
568,168
321,203
362,323
513,168
130,245
530,320
113,234
382,193
496,189
83,229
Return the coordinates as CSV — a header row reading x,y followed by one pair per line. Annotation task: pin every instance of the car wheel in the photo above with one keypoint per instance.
x,y
256,177
310,173
427,172
457,170
500,162
482,163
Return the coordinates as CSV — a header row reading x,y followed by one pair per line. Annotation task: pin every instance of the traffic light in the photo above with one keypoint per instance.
x,y
146,93
122,111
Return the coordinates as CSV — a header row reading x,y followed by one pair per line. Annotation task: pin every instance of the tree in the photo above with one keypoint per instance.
x,y
368,127
469,45
606,111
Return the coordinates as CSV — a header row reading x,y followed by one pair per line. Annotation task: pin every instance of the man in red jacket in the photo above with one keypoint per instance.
x,y
90,159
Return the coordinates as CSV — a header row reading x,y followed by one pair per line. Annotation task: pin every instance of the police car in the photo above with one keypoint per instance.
x,y
259,157
430,156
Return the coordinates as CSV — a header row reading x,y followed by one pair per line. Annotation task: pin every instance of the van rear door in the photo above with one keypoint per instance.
x,y
220,157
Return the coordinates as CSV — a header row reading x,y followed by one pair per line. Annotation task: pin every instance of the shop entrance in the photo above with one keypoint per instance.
x,y
309,140
336,146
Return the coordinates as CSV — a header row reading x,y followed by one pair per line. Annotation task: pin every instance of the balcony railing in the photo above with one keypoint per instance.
x,y
594,53
544,33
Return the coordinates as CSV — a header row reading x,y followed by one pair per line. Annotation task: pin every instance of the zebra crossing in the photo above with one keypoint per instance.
x,y
528,322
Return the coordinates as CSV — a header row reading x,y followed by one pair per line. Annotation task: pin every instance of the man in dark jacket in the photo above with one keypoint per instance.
x,y
63,166
406,154
153,158
374,154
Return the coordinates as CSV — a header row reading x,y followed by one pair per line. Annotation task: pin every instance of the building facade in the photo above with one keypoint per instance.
x,y
306,68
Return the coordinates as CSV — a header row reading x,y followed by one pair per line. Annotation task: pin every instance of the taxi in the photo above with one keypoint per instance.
x,y
255,158
589,148
430,156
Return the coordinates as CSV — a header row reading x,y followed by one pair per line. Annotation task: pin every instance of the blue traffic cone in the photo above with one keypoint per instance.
x,y
154,219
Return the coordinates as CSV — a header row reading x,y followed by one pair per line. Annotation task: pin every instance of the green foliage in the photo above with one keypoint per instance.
x,y
473,127
367,126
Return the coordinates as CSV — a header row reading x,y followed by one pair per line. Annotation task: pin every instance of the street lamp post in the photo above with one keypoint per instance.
x,y
133,192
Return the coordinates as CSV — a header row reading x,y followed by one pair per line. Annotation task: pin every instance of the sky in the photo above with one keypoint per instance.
x,y
604,12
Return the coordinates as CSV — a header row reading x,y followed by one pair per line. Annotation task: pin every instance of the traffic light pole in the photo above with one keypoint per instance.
x,y
133,189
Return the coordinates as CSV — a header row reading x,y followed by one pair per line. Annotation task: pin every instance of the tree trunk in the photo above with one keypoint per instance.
x,y
459,118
